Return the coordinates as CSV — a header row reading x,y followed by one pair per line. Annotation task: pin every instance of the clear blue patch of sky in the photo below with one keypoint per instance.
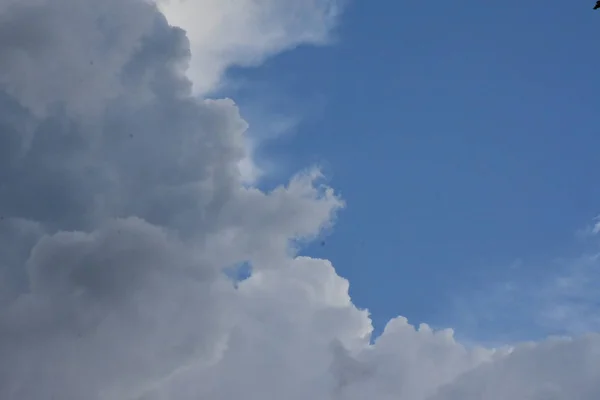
x,y
463,136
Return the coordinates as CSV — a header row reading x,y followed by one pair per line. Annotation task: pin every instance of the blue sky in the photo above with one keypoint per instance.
x,y
462,136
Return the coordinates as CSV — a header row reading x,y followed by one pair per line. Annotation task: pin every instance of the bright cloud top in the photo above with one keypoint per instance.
x,y
121,203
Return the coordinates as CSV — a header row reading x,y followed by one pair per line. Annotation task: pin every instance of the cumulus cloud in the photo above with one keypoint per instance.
x,y
121,205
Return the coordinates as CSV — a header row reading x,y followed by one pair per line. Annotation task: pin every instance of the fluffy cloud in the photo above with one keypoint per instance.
x,y
121,204
244,32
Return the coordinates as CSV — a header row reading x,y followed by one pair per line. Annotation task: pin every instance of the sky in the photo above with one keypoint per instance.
x,y
412,190
463,139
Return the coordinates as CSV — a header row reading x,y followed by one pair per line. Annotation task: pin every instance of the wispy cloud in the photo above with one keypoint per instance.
x,y
558,297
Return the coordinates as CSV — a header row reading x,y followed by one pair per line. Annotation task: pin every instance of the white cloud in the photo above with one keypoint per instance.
x,y
250,172
244,32
121,203
225,33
